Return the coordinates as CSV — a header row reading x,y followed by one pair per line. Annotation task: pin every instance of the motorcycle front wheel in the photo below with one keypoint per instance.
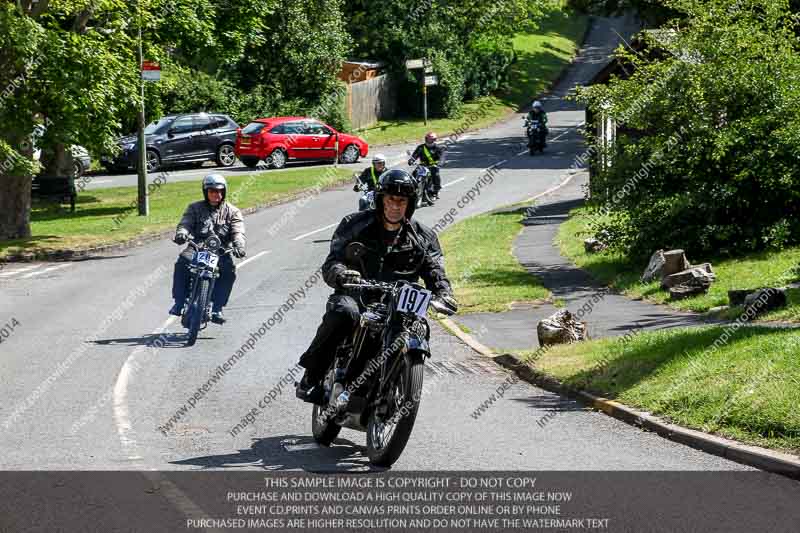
x,y
388,433
324,429
196,310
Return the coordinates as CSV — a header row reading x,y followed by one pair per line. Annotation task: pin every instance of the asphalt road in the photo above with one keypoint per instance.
x,y
85,388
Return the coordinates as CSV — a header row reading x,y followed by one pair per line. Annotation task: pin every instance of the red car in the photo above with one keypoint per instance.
x,y
276,140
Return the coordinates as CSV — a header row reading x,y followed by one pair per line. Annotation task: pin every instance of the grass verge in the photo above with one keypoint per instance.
x,y
540,58
741,384
108,216
485,274
776,269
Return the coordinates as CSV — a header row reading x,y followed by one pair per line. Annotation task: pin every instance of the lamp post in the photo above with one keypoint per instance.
x,y
143,200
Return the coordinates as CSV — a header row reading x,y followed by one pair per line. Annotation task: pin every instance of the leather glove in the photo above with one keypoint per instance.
x,y
448,300
349,277
239,251
411,161
356,187
180,237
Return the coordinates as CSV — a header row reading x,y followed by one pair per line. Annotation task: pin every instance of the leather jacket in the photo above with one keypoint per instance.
x,y
226,221
415,249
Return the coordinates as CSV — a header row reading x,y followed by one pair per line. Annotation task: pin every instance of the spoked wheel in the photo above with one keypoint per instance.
x,y
196,311
388,432
324,429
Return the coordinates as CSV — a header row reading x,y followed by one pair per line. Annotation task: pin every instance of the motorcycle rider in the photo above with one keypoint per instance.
x,y
370,175
430,154
537,113
199,220
391,233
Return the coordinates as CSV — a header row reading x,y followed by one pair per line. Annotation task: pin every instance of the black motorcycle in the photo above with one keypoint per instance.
x,y
204,269
375,381
422,174
534,129
367,199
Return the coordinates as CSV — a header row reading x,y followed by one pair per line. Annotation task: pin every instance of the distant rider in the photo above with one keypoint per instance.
x,y
372,174
431,155
537,113
199,220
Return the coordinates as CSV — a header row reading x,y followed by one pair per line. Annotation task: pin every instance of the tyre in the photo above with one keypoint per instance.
x,y
196,311
153,160
277,159
249,162
350,154
388,434
225,155
323,428
77,169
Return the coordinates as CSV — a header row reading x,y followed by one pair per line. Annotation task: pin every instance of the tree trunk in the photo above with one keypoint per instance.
x,y
15,207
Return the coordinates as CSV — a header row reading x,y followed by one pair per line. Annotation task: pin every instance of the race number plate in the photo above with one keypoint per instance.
x,y
412,300
207,258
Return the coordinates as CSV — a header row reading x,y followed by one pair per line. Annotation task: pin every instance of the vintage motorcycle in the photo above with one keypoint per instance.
x,y
367,199
375,381
204,270
535,132
422,174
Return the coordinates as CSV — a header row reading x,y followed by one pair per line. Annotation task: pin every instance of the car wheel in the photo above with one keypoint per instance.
x,y
77,169
277,159
350,154
225,155
153,161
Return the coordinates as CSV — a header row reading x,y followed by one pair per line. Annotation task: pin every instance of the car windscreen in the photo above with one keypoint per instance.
x,y
254,128
153,127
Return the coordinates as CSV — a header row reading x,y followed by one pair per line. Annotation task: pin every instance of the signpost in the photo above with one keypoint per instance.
x,y
143,200
151,71
427,79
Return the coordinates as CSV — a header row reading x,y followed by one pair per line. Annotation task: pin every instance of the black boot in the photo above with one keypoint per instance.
x,y
310,389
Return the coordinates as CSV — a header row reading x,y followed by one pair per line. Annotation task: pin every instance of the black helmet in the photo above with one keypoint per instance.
x,y
399,183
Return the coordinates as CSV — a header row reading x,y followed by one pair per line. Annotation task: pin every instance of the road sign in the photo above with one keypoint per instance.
x,y
431,80
428,69
151,71
414,63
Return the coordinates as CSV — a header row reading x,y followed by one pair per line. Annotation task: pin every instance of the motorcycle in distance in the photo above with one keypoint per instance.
x,y
367,199
375,381
204,270
422,174
535,133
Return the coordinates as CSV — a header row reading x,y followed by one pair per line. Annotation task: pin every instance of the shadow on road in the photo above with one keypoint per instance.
x,y
291,452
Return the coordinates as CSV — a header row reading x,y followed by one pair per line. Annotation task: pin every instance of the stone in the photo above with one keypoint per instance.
x,y
691,288
560,328
592,245
663,264
700,275
764,300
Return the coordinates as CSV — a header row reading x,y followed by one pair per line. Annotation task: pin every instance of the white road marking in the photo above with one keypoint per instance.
x,y
45,271
303,236
101,181
259,254
120,396
179,499
20,270
449,183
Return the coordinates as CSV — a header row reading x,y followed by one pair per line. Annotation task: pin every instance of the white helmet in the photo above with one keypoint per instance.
x,y
537,104
379,158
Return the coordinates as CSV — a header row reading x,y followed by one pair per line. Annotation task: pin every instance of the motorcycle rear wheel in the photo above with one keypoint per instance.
x,y
387,435
197,309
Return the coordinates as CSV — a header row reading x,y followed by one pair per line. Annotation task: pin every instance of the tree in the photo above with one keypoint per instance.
x,y
716,165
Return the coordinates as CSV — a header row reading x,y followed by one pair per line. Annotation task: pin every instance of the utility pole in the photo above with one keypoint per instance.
x,y
143,200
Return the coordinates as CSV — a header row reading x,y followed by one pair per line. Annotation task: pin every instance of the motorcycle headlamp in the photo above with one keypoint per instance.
x,y
213,242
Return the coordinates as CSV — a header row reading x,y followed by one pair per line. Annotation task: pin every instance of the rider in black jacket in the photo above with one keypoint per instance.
x,y
398,244
430,154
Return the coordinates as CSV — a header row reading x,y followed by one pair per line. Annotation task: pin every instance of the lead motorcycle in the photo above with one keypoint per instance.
x,y
375,381
422,174
204,270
